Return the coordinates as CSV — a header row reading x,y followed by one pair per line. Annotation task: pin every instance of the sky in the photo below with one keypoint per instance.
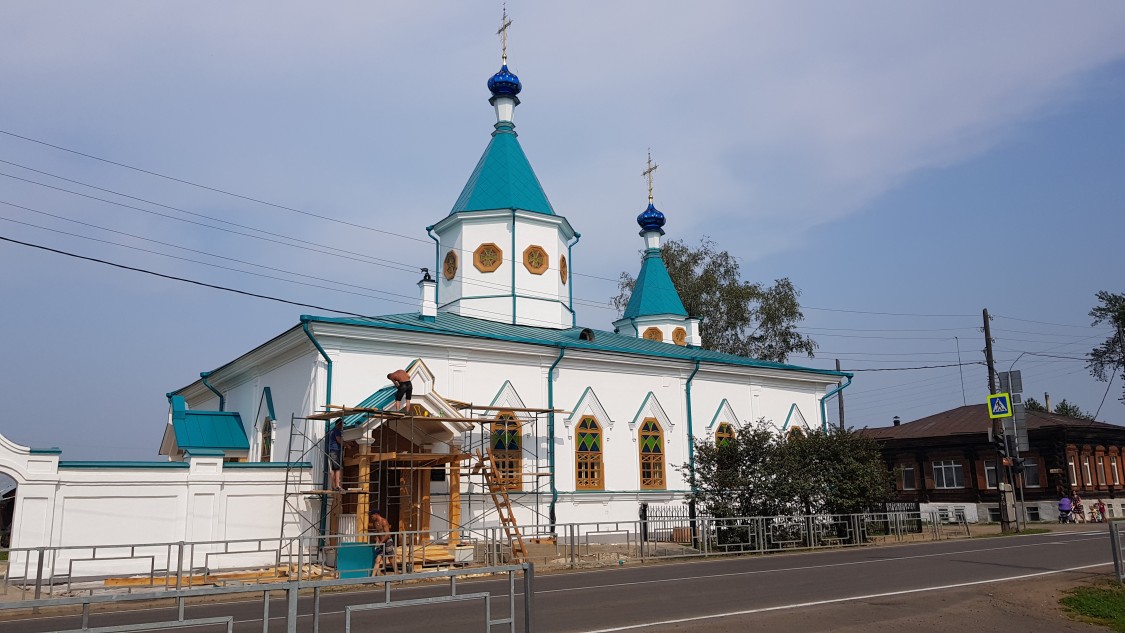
x,y
906,165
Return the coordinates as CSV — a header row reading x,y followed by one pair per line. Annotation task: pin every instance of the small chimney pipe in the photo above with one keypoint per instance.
x,y
897,421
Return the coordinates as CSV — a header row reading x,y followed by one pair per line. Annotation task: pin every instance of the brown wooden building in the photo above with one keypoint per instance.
x,y
946,463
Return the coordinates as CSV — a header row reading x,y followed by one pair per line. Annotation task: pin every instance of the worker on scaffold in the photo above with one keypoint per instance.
x,y
336,453
403,390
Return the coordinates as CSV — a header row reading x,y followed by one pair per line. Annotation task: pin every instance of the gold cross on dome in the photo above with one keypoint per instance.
x,y
503,33
647,173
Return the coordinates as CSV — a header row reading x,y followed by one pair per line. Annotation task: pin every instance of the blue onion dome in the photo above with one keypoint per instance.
x,y
504,83
651,219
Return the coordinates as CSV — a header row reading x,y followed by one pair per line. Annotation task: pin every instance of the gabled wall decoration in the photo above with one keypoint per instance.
x,y
795,418
588,404
650,408
725,413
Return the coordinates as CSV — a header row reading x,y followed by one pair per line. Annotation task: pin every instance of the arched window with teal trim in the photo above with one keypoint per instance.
x,y
651,441
507,450
724,435
589,471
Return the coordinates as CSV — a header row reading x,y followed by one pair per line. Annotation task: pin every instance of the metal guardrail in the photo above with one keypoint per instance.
x,y
35,572
1116,542
292,591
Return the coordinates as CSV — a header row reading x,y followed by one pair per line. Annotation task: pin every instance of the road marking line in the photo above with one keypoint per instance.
x,y
755,572
799,605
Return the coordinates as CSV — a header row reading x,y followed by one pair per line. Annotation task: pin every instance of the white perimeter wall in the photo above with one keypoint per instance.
x,y
70,507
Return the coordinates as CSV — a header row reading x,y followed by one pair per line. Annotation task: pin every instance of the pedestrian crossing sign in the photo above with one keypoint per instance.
x,y
999,406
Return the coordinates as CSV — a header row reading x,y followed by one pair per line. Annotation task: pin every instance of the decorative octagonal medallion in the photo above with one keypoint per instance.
x,y
449,266
488,257
535,259
679,336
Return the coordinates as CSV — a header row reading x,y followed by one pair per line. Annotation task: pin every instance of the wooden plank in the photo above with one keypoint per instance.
x,y
364,502
455,505
444,458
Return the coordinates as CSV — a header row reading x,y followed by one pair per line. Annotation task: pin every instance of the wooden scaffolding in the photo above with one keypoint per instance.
x,y
392,467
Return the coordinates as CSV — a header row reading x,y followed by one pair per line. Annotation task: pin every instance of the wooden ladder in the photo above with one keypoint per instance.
x,y
499,493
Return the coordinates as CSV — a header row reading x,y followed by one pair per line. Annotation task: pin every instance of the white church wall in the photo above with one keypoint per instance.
x,y
473,370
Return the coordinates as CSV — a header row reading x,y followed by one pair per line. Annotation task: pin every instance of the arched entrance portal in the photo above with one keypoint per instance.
x,y
7,509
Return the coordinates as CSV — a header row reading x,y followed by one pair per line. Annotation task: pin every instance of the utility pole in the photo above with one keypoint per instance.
x,y
840,399
1002,484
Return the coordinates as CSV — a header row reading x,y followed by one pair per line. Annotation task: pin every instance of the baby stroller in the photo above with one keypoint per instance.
x,y
1066,511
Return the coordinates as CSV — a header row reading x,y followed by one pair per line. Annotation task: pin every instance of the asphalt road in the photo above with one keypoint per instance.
x,y
726,594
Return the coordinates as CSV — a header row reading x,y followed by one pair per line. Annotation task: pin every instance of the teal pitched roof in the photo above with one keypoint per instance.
x,y
503,178
446,323
215,430
378,400
654,292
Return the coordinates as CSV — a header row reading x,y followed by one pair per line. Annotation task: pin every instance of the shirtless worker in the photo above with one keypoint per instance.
x,y
381,536
403,389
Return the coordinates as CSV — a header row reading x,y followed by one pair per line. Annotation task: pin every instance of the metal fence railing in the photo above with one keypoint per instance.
x,y
1116,543
499,610
33,573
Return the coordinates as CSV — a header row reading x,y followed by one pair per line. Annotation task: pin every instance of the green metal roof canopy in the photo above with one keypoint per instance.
x,y
654,292
503,178
218,430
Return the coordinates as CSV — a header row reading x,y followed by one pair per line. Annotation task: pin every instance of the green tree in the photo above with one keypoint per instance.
x,y
838,472
1108,358
736,316
1072,410
1031,404
737,479
760,473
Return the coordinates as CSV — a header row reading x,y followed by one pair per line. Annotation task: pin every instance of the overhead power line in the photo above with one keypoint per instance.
x,y
1000,316
900,314
182,279
213,189
225,192
916,368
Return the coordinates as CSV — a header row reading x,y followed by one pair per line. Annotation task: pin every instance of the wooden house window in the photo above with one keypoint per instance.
x,y
908,480
507,452
589,472
651,442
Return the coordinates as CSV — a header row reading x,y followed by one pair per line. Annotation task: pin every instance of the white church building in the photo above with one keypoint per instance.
x,y
584,423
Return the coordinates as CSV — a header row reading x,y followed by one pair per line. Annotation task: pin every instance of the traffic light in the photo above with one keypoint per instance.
x,y
1017,465
1001,444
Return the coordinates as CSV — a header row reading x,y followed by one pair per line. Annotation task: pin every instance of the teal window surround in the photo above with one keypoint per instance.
x,y
122,465
793,407
45,451
715,418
